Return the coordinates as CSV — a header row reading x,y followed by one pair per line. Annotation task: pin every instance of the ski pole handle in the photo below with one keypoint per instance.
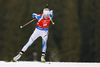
x,y
27,23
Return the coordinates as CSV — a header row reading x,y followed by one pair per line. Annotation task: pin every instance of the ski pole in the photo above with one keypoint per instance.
x,y
27,23
52,21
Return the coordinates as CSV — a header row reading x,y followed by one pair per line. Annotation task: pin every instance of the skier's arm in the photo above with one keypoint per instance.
x,y
37,16
51,13
51,16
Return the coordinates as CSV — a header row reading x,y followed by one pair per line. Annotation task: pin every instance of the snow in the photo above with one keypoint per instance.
x,y
47,64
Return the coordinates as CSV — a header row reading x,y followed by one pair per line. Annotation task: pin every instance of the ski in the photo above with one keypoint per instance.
x,y
33,61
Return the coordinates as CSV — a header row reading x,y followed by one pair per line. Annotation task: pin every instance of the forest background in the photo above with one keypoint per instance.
x,y
74,37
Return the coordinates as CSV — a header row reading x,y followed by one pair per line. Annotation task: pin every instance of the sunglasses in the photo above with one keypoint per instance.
x,y
47,14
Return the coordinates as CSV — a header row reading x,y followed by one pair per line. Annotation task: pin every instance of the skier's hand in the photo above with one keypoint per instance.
x,y
51,12
34,15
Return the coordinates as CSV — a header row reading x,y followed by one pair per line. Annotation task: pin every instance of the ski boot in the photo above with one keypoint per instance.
x,y
43,58
17,57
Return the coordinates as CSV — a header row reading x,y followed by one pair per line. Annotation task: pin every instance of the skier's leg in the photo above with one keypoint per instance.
x,y
44,44
44,47
33,37
31,40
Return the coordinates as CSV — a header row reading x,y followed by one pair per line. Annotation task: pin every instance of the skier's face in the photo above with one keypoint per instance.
x,y
46,16
46,13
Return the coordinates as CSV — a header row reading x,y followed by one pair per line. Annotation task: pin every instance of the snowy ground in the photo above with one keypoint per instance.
x,y
47,64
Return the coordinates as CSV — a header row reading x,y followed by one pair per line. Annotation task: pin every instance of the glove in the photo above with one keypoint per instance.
x,y
34,15
51,12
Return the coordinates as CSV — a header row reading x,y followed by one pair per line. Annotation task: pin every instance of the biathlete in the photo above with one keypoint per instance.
x,y
41,30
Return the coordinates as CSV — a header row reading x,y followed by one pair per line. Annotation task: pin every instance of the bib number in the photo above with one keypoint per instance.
x,y
44,24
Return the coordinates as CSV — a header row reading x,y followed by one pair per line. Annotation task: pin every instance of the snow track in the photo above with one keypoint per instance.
x,y
47,64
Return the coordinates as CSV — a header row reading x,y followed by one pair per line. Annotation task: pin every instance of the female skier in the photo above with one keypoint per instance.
x,y
41,30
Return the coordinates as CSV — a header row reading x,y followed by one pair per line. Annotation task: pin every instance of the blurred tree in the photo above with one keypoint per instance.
x,y
97,32
87,22
71,33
